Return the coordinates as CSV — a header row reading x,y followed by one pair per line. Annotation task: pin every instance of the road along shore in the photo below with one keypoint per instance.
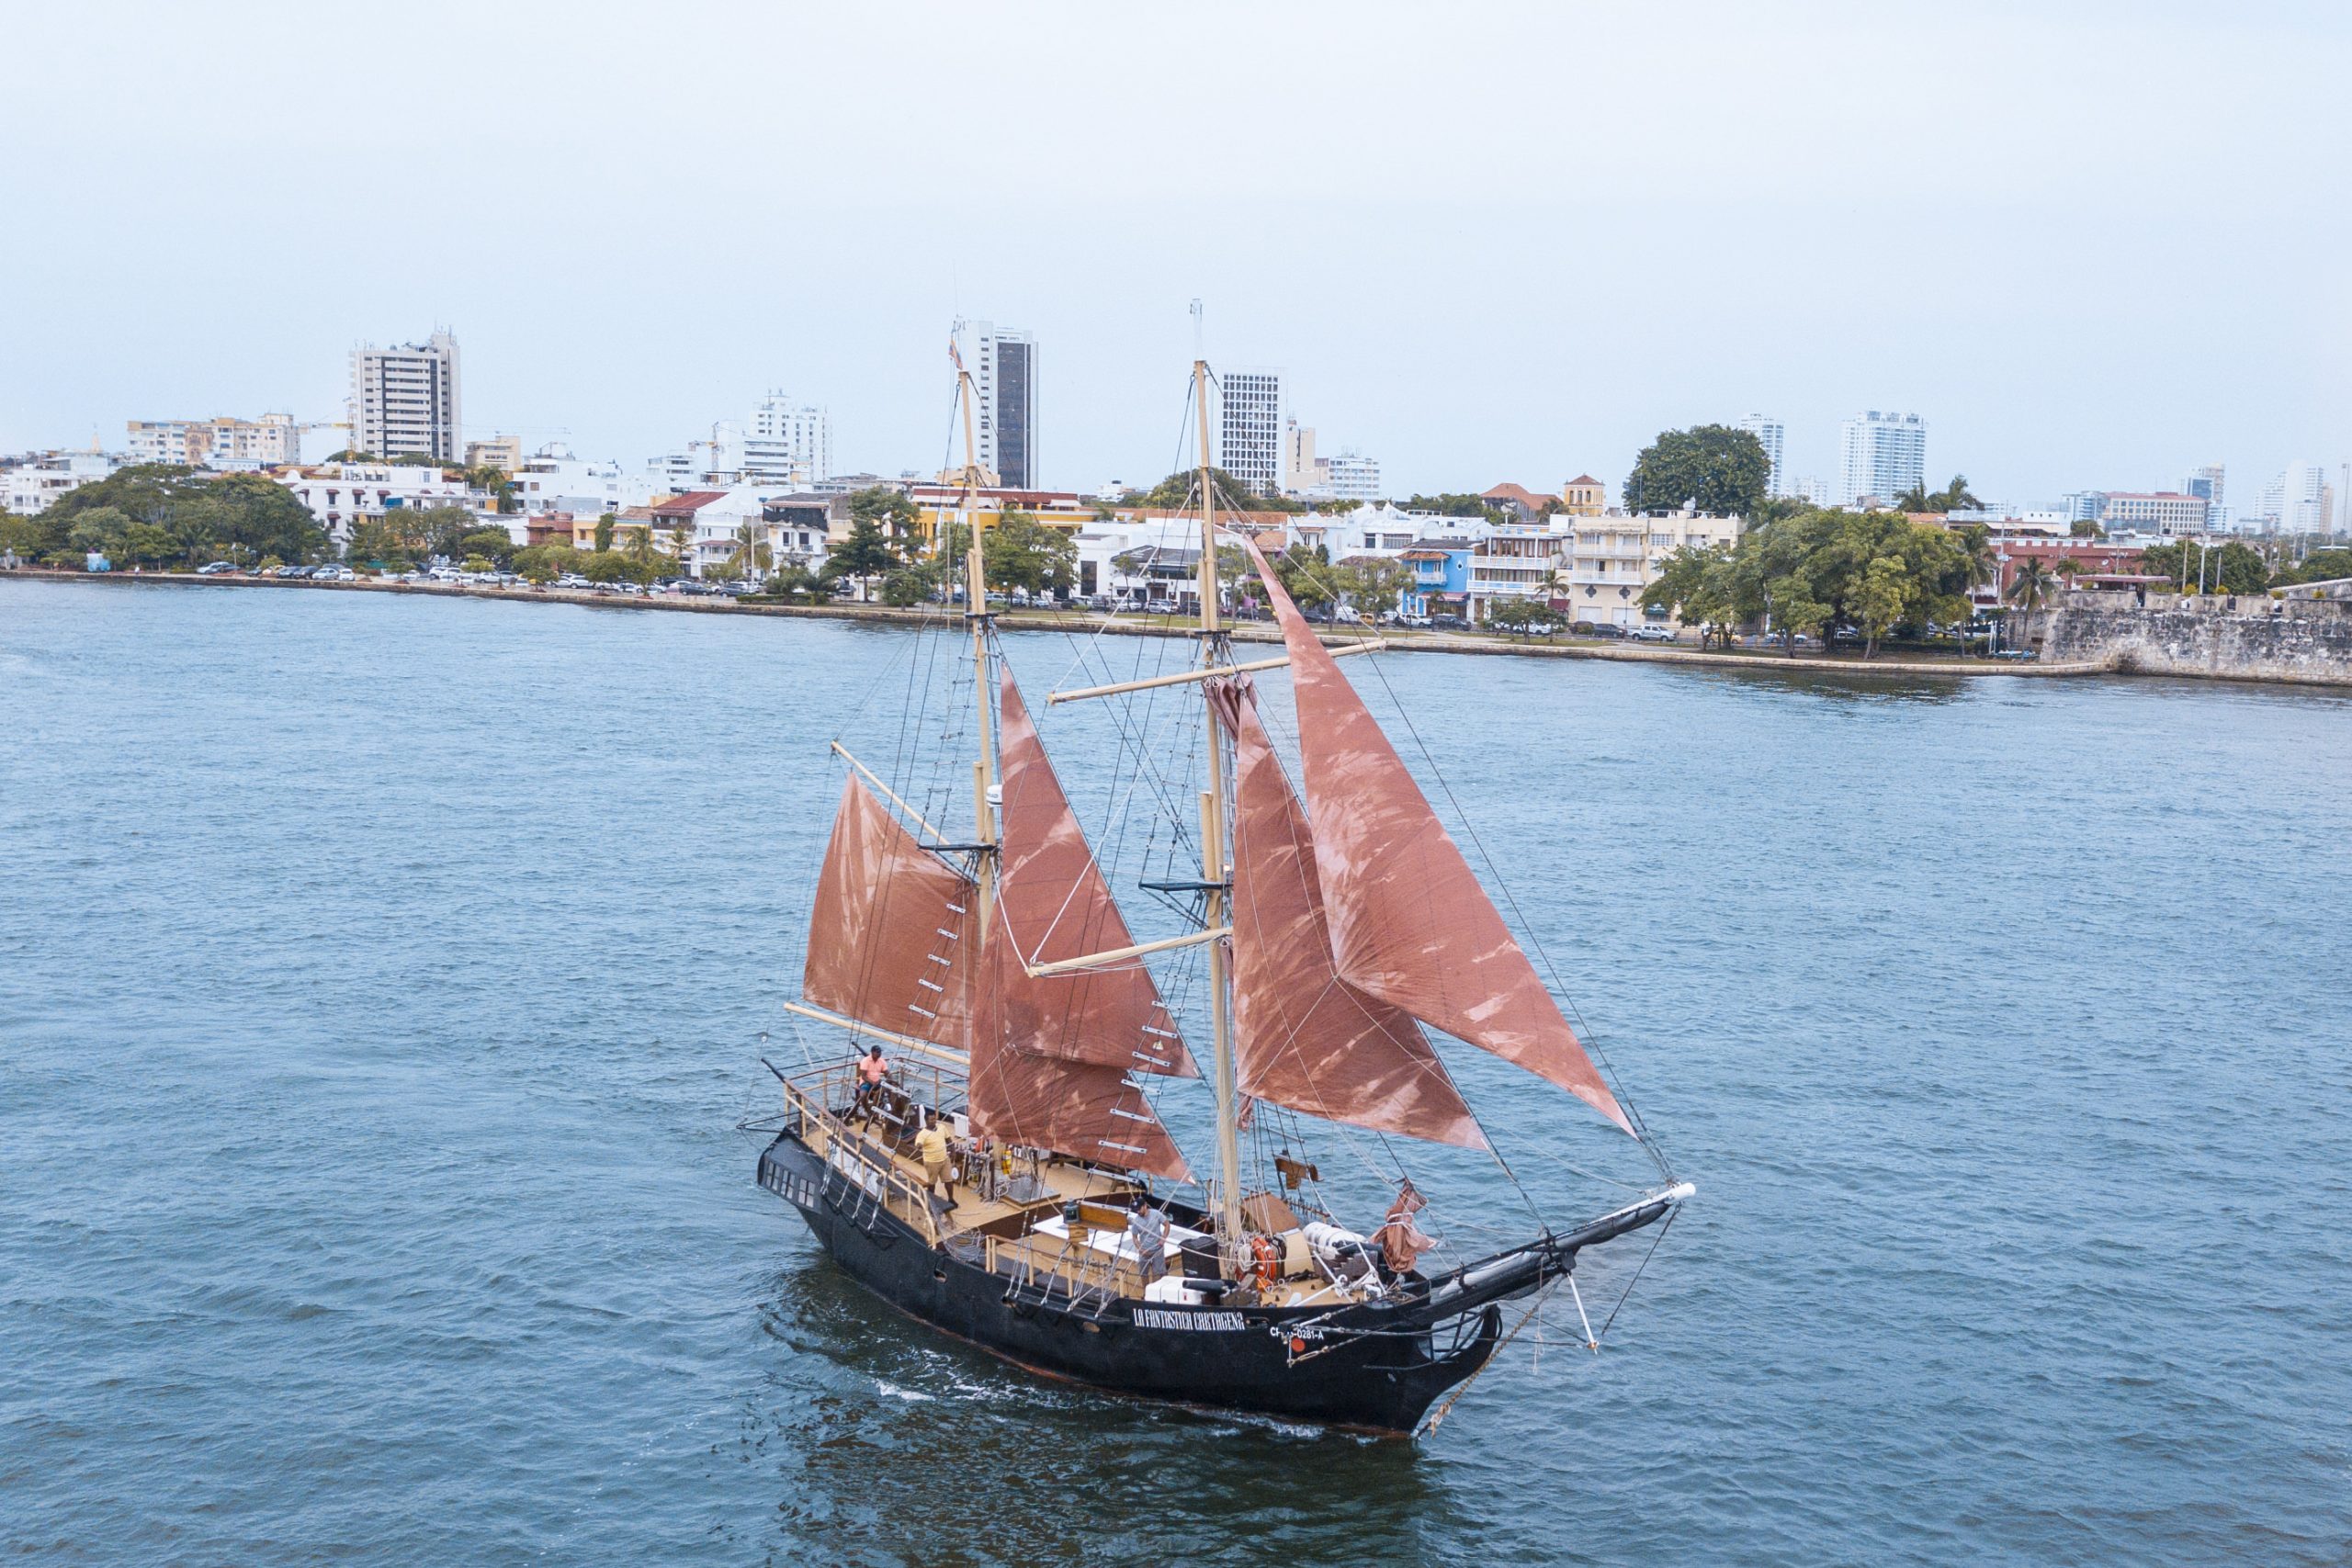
x,y
1246,631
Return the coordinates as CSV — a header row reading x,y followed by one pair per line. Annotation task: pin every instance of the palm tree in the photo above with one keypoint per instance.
x,y
751,557
2029,588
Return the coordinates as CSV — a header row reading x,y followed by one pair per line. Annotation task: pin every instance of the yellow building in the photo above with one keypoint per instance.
x,y
1584,496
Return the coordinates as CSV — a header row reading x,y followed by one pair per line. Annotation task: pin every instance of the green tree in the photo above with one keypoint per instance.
x,y
1373,584
1699,584
892,510
491,544
545,563
614,566
382,542
1306,575
2229,567
751,556
1953,497
2084,528
1888,589
2031,585
1711,469
793,584
644,557
1020,552
604,538
1178,491
1456,504
1796,610
864,555
2320,566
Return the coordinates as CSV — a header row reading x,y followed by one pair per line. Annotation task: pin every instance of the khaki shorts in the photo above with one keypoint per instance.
x,y
935,1171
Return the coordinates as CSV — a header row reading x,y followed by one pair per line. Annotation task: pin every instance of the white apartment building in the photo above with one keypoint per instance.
x,y
1004,376
2306,500
2164,511
1516,562
342,494
38,480
1250,417
1883,455
214,443
1615,557
1768,432
1300,473
1349,476
785,438
405,399
552,479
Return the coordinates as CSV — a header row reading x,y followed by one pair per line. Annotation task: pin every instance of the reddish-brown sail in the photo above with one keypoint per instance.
x,y
1057,906
1073,1108
889,934
1409,923
1302,1036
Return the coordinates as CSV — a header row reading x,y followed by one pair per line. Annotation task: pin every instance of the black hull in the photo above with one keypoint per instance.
x,y
1374,1367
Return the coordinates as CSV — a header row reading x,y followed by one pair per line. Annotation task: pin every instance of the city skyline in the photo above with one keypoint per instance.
x,y
2044,362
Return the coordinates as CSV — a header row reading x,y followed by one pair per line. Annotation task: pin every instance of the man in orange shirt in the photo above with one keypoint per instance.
x,y
873,1071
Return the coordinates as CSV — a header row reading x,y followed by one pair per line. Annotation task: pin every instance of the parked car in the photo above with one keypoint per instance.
x,y
1347,614
1447,623
1654,634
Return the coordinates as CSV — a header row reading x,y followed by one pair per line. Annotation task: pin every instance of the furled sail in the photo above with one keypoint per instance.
x,y
1072,1107
1303,1037
1409,924
1057,906
890,932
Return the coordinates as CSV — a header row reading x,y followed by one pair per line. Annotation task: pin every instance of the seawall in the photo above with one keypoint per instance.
x,y
2228,637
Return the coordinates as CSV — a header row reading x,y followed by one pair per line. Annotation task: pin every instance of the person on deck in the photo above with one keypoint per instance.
x,y
1147,1228
873,1070
1401,1241
930,1147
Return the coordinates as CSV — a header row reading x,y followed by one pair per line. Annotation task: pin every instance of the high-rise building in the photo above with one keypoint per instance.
x,y
786,442
207,443
1299,471
1883,454
2208,482
1249,428
405,399
2306,502
1004,373
1768,432
1349,476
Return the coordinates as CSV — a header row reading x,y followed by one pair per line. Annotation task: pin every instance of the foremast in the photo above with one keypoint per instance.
x,y
1215,877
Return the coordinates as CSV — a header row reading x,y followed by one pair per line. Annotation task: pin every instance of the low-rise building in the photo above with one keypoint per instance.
x,y
342,494
553,479
1516,561
32,483
501,452
222,441
1584,496
1614,557
2163,512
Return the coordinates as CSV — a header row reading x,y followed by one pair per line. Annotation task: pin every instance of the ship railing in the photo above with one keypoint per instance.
x,y
900,1194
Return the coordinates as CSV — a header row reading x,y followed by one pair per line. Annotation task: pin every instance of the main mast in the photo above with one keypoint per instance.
x,y
1214,870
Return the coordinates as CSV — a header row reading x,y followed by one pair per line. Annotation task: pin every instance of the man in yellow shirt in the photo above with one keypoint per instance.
x,y
930,1147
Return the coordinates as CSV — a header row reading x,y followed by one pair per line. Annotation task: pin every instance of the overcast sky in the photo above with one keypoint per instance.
x,y
2092,244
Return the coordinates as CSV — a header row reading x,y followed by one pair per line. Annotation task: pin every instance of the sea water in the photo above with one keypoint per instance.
x,y
382,980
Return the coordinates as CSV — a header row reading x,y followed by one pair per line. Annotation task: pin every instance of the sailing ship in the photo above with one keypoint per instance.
x,y
998,973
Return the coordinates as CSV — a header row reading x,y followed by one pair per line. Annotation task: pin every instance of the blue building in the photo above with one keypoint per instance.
x,y
1440,576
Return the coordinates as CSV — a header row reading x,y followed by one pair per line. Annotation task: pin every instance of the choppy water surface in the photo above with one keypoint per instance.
x,y
379,980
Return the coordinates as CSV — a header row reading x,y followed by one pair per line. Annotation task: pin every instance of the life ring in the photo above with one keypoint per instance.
x,y
1266,1262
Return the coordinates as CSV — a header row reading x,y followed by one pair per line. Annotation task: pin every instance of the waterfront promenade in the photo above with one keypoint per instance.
x,y
1401,640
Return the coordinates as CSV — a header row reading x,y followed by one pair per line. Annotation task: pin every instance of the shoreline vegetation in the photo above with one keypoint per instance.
x,y
1398,639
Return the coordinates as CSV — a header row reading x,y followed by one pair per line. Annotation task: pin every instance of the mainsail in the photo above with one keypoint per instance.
x,y
890,932
1409,924
1057,906
1303,1037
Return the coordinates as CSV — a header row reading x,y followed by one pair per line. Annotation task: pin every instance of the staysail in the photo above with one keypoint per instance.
x,y
1056,906
890,932
1075,1108
1409,924
1303,1037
